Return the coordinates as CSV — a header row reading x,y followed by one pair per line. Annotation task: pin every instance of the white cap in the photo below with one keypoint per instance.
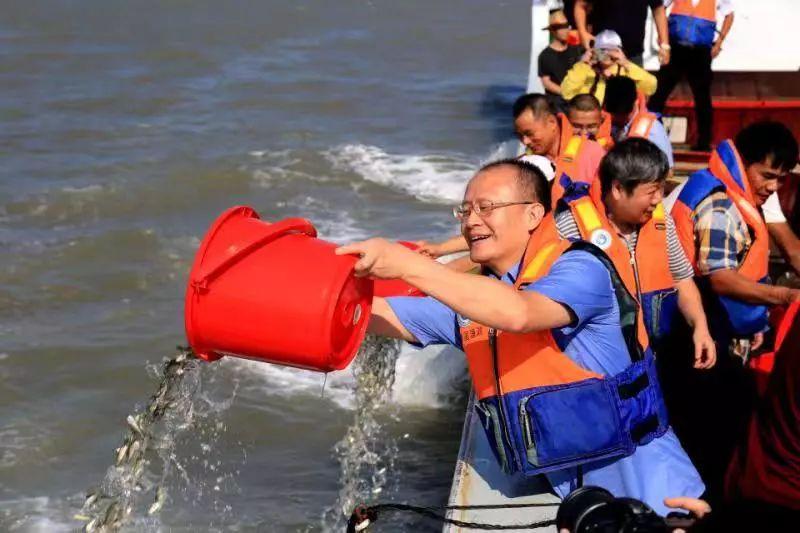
x,y
607,40
542,163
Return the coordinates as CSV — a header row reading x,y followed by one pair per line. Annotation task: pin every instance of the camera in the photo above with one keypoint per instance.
x,y
601,54
595,510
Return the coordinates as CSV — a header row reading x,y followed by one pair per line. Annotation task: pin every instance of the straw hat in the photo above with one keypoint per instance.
x,y
558,20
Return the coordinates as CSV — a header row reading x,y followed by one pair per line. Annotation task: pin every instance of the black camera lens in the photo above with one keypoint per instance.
x,y
578,505
595,510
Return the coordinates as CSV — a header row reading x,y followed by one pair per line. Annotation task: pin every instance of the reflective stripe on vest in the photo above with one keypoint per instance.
x,y
603,136
651,278
541,411
692,25
726,173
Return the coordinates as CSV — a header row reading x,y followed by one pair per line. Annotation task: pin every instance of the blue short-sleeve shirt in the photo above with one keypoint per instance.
x,y
658,136
593,340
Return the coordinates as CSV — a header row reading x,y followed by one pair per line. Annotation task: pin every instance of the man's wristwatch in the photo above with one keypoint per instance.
x,y
664,46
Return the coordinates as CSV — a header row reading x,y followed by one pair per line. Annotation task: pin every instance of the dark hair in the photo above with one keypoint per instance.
x,y
531,181
584,102
539,105
620,95
762,140
633,162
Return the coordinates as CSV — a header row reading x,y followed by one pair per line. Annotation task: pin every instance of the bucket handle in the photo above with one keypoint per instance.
x,y
277,230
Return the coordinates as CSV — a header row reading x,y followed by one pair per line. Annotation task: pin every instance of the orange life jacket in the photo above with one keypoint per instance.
x,y
524,382
641,124
571,149
603,136
648,270
693,25
726,173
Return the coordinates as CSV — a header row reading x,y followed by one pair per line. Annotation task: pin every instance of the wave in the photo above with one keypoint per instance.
x,y
439,178
433,377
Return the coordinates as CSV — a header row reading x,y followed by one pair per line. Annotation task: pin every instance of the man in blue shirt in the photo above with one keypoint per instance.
x,y
504,204
624,105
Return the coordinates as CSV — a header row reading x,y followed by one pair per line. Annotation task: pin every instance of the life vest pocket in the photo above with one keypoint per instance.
x,y
489,416
572,424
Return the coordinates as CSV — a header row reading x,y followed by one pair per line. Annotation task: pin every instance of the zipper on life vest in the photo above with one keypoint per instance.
x,y
499,390
635,266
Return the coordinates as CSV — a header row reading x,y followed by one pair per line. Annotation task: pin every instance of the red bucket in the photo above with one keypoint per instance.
x,y
274,293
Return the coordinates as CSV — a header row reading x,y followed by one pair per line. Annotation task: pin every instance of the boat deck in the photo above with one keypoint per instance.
x,y
478,480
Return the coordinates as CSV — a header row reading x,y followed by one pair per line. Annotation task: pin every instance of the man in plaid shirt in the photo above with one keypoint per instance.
x,y
721,227
722,237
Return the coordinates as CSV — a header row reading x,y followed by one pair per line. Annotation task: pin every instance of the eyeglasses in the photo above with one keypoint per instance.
x,y
482,208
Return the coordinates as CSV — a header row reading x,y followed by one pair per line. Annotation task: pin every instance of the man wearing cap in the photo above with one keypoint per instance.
x,y
558,58
626,18
606,59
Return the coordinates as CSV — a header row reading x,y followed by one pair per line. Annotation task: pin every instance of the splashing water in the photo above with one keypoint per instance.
x,y
134,487
366,453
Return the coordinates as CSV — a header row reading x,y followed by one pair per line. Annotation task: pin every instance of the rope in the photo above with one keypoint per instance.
x,y
364,516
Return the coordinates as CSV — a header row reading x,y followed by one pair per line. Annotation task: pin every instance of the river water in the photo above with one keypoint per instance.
x,y
127,127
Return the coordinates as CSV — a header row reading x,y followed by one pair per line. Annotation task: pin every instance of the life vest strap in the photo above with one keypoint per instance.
x,y
645,427
627,303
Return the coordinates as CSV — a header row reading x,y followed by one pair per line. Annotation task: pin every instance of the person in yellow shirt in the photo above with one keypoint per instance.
x,y
605,59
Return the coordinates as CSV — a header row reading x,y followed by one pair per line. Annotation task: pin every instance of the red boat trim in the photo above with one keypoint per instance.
x,y
740,104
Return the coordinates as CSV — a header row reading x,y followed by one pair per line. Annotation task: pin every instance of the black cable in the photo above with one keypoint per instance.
x,y
361,513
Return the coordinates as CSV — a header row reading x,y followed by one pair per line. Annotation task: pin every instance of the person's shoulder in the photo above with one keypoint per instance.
x,y
658,129
581,67
582,261
715,205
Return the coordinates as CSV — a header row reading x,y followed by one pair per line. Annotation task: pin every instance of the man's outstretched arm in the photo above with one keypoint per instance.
x,y
488,301
384,322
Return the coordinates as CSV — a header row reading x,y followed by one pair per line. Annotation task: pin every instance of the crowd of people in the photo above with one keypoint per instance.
x,y
609,326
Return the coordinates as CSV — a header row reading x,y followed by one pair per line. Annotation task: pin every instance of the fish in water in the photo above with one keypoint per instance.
x,y
134,424
134,448
122,451
92,525
91,497
161,496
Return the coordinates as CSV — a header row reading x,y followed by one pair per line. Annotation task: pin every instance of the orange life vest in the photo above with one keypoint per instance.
x,y
603,136
726,173
571,149
641,124
524,382
648,270
693,25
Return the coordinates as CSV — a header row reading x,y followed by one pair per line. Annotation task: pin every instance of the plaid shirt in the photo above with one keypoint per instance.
x,y
721,235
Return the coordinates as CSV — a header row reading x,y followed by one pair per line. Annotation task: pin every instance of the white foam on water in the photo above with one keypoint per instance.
x,y
284,381
431,377
37,514
439,178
